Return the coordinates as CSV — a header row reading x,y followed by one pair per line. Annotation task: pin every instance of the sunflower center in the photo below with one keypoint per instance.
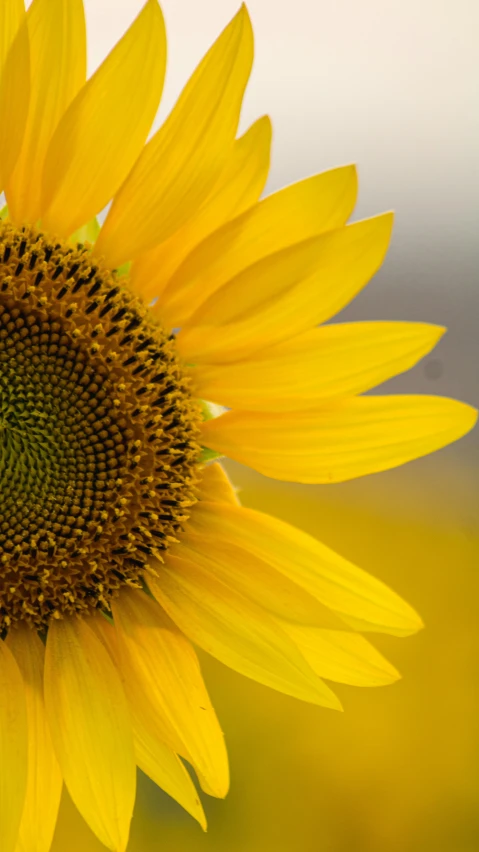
x,y
98,432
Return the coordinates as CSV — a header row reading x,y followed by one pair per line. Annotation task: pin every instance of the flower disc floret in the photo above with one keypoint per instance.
x,y
97,428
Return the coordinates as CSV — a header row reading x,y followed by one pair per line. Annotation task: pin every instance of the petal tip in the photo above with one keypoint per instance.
x,y
415,623
332,702
243,18
465,417
429,335
440,330
153,9
388,218
265,124
392,676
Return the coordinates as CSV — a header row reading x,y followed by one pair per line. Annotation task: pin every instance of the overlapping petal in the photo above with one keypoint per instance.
x,y
247,575
152,755
340,656
44,780
359,599
181,164
322,363
286,293
343,440
103,131
163,679
292,215
14,84
232,628
239,186
215,486
91,729
56,32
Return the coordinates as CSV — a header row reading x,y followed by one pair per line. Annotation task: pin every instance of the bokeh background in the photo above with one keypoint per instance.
x,y
391,86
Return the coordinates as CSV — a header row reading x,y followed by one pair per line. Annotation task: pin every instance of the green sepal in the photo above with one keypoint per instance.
x,y
87,233
210,410
207,455
124,269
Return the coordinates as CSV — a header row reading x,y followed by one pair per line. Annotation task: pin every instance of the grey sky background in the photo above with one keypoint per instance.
x,y
392,86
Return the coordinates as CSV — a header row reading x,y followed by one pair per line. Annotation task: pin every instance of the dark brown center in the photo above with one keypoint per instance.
x,y
98,432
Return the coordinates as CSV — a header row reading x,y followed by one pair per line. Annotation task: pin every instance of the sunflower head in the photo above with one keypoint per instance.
x,y
99,432
193,323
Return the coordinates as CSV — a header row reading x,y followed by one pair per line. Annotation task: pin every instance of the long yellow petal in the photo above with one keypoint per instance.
x,y
253,578
350,438
337,251
91,729
238,187
358,598
294,214
56,30
13,748
215,485
44,780
322,363
180,165
342,657
287,293
153,757
104,129
235,630
163,678
14,84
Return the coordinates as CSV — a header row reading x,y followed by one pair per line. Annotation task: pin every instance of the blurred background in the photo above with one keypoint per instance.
x,y
390,86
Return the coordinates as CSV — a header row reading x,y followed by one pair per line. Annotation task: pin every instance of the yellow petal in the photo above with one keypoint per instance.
x,y
215,485
12,14
44,780
286,293
359,599
234,629
91,729
14,84
239,186
164,681
294,214
104,129
153,757
180,165
342,657
328,362
56,30
350,438
13,748
253,578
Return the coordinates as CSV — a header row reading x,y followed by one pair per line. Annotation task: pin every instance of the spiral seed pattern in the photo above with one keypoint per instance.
x,y
98,432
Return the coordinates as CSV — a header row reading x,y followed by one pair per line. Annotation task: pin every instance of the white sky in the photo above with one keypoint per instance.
x,y
341,80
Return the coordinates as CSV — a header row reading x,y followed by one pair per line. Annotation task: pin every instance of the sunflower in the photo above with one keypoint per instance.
x,y
132,356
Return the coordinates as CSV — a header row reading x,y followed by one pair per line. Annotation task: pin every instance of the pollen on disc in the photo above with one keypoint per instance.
x,y
98,432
